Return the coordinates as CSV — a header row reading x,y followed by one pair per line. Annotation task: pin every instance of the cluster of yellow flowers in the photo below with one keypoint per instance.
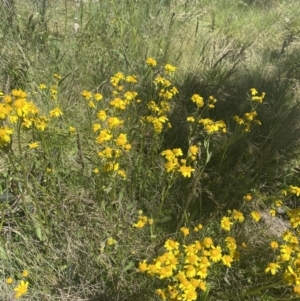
x,y
294,190
249,118
175,164
52,89
161,106
14,108
208,124
142,221
112,141
255,97
211,126
186,266
22,288
287,259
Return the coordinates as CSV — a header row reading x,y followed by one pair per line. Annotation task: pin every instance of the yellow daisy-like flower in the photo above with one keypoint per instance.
x,y
143,267
248,197
295,190
238,216
198,100
56,112
101,115
215,254
207,242
193,150
186,170
111,241
151,62
185,231
256,216
227,260
33,145
190,119
253,91
272,268
21,289
226,223
169,68
190,271
72,130
98,96
42,86
9,280
121,140
171,245
25,273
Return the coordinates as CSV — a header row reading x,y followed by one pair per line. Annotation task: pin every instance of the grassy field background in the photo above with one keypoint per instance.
x,y
87,226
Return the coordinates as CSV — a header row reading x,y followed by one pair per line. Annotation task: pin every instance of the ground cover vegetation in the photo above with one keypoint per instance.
x,y
149,149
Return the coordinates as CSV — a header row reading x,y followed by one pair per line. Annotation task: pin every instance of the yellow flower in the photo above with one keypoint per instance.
x,y
9,280
168,154
104,135
256,216
33,145
186,170
190,271
177,152
248,197
185,231
72,130
193,150
131,79
86,94
56,112
101,115
96,127
226,223
98,96
227,260
189,295
207,242
143,267
96,170
151,62
238,216
42,86
190,119
272,268
253,91
231,243
272,212
21,106
190,249
25,273
297,289
140,224
169,68
215,254
274,245
202,285
244,245
21,289
121,140
198,100
111,241
5,135
295,190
